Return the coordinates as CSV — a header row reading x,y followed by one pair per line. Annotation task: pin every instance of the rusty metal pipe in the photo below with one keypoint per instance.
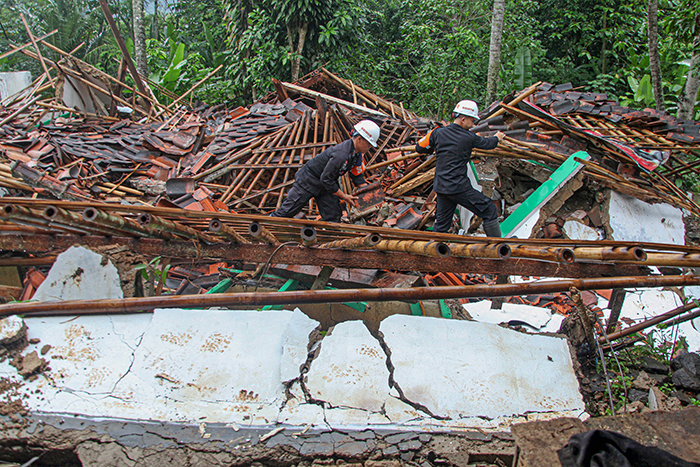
x,y
118,222
619,253
480,250
216,226
356,243
256,230
137,305
648,323
416,247
555,254
158,223
60,216
308,236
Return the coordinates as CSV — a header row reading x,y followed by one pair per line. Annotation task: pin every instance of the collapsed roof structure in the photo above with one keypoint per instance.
x,y
182,193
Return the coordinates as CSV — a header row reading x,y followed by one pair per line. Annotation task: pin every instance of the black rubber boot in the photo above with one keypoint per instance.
x,y
492,229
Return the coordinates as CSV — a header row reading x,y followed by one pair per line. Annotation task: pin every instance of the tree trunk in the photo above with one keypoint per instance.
x,y
692,83
139,38
604,48
156,32
499,7
297,51
654,60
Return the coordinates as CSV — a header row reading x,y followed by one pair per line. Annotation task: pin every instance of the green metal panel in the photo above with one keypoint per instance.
x,y
445,310
221,287
288,286
544,193
416,308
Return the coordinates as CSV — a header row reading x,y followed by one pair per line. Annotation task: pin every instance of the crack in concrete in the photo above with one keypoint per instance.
x,y
393,384
133,355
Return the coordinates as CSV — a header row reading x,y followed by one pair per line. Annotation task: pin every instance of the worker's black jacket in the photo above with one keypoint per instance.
x,y
453,150
322,172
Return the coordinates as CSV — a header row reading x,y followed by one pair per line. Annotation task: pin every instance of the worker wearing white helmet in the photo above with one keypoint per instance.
x,y
453,146
318,178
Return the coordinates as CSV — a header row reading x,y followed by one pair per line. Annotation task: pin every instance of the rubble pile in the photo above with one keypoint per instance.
x,y
178,197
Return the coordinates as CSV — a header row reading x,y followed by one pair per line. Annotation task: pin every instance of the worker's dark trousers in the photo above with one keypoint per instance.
x,y
475,201
297,198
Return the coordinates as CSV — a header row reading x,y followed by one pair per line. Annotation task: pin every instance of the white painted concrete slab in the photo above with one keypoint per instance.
x,y
80,274
461,369
225,366
633,220
88,356
576,230
13,82
350,370
538,318
222,366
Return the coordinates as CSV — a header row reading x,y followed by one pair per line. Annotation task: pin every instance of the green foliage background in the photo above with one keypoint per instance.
x,y
427,54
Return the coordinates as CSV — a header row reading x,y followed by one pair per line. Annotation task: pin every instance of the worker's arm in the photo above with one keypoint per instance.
x,y
425,145
487,143
349,199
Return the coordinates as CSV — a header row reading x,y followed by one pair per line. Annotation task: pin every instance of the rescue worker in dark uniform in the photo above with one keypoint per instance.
x,y
318,178
453,148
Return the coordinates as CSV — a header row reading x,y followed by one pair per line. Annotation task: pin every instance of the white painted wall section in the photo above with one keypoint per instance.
x,y
633,220
459,369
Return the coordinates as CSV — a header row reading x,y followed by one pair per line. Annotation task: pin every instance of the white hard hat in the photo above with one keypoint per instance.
x,y
468,108
369,131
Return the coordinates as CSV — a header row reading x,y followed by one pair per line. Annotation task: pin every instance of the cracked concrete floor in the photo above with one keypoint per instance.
x,y
259,369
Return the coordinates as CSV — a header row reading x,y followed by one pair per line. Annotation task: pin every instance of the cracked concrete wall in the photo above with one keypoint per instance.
x,y
253,368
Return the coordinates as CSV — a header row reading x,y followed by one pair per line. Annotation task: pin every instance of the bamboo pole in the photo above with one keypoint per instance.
x,y
256,230
416,247
367,241
191,90
38,52
22,47
216,226
120,223
648,323
489,251
559,255
158,223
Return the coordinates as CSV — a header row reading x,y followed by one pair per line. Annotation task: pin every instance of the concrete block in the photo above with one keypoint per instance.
x,y
459,369
576,230
80,274
350,370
